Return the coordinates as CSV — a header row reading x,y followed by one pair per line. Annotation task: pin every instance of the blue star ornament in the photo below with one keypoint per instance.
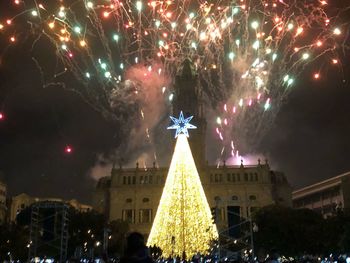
x,y
181,125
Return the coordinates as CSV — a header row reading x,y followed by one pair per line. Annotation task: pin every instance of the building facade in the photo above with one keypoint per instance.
x,y
325,197
3,207
133,194
21,201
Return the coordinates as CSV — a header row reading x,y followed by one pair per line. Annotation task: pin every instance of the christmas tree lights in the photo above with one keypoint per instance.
x,y
183,224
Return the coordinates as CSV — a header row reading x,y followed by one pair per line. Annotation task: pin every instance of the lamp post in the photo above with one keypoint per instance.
x,y
251,235
217,200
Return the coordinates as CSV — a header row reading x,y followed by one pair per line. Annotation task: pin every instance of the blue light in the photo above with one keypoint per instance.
x,y
181,125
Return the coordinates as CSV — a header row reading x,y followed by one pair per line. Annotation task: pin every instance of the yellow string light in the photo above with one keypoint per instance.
x,y
183,223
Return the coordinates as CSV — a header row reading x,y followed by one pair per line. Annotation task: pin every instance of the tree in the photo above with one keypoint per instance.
x,y
13,242
183,224
23,217
288,231
87,230
118,231
86,233
344,242
337,232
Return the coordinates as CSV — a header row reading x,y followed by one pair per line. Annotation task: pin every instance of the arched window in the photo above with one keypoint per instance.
x,y
252,197
217,198
234,198
238,177
246,177
216,178
233,176
145,200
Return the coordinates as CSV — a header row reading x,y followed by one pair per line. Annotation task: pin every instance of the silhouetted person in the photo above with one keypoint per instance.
x,y
136,250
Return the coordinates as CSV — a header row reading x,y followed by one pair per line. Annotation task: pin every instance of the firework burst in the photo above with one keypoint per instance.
x,y
248,53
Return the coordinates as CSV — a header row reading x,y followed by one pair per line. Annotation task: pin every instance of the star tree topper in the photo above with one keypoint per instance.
x,y
181,125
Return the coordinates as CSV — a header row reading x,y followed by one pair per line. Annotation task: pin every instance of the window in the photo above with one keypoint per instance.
x,y
150,179
128,200
124,179
134,179
129,180
145,200
326,195
233,176
217,199
256,177
145,215
216,178
253,209
129,215
220,177
234,198
246,177
252,197
238,177
251,177
141,179
228,177
211,178
146,179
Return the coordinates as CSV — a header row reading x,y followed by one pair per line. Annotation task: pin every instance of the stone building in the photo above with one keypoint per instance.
x,y
325,197
133,194
21,201
3,208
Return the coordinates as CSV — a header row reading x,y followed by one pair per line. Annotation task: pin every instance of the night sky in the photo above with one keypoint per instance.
x,y
309,141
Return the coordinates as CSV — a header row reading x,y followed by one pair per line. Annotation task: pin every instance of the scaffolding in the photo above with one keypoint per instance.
x,y
242,245
49,230
237,240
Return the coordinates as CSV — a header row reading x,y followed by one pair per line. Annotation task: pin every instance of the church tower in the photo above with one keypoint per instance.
x,y
188,98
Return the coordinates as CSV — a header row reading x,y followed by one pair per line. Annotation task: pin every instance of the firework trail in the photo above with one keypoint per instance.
x,y
248,54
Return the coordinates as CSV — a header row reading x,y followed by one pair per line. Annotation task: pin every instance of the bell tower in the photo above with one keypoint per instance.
x,y
188,98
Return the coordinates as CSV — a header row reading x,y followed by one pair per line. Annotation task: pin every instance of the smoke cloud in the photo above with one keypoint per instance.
x,y
147,93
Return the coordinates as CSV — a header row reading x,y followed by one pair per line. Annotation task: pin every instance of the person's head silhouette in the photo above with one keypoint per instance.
x,y
136,250
134,243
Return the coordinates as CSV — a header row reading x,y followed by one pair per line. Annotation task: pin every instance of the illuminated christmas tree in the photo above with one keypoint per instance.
x,y
183,224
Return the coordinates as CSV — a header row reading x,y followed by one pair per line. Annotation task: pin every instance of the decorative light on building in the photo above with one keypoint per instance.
x,y
181,125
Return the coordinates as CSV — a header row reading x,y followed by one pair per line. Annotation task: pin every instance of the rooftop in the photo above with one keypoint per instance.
x,y
319,186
